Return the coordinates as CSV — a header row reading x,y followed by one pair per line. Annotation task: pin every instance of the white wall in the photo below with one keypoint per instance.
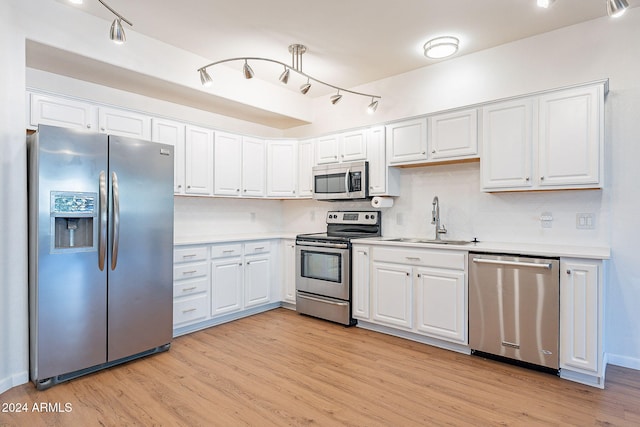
x,y
13,204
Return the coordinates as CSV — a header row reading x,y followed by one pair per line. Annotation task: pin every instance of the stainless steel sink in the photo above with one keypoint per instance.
x,y
438,242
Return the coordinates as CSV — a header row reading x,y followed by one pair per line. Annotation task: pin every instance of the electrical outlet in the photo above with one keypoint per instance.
x,y
585,221
546,219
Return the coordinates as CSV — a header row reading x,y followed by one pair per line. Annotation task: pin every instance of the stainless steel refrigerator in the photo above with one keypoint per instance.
x,y
100,251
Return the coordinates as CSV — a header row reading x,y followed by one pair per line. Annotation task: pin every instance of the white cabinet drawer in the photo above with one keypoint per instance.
x,y
451,260
257,247
190,254
219,251
189,287
191,309
190,271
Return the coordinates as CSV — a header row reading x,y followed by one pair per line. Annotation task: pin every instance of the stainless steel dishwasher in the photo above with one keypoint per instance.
x,y
514,308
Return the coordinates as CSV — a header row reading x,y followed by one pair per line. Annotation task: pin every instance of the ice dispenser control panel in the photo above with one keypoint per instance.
x,y
74,218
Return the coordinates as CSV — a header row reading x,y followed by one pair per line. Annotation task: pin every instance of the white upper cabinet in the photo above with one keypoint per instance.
x,y
570,137
407,141
547,142
199,160
506,161
227,155
173,133
63,112
124,123
453,135
253,167
343,147
305,166
383,180
282,168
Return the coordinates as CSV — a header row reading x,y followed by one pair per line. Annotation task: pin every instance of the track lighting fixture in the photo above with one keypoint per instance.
x,y
305,87
117,31
247,70
336,98
296,51
617,8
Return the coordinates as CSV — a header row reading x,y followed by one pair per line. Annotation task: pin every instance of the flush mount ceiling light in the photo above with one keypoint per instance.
x,y
441,47
616,8
117,31
545,3
296,51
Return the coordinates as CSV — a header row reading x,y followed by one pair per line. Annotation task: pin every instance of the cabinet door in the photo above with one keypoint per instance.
x,y
570,137
392,294
507,145
198,160
580,315
305,166
327,149
454,135
289,273
253,167
441,304
257,280
226,285
49,110
353,146
124,123
282,168
170,132
360,283
227,165
407,141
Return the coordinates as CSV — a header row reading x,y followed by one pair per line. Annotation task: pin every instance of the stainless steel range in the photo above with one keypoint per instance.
x,y
323,265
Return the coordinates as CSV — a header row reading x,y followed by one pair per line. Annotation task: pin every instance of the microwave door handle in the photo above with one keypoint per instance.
x,y
346,181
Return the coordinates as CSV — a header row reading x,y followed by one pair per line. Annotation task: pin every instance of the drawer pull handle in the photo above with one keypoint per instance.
x,y
228,251
190,272
189,289
189,310
259,249
189,256
413,258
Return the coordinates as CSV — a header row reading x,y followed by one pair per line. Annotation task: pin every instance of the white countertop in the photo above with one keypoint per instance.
x,y
536,249
204,239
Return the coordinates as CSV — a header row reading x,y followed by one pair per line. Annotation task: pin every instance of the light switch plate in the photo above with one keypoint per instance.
x,y
585,221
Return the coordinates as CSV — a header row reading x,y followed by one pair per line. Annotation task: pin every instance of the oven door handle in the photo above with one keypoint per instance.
x,y
324,245
326,301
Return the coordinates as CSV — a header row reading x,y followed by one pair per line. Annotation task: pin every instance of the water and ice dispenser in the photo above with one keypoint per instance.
x,y
74,218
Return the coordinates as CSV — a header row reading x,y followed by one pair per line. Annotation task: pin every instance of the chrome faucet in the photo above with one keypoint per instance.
x,y
435,218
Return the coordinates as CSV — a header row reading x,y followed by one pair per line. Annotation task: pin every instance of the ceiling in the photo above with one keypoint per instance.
x,y
350,42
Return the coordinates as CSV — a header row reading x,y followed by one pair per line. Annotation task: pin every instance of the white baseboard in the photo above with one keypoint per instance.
x,y
624,361
14,380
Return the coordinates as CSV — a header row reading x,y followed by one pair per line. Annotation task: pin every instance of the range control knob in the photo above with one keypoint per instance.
x,y
373,216
366,217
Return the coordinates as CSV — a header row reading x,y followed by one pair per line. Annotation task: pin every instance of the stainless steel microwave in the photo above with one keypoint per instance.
x,y
342,181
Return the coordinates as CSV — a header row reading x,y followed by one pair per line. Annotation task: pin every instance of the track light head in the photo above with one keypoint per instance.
x,y
336,98
205,78
247,71
617,8
284,77
117,32
305,87
373,106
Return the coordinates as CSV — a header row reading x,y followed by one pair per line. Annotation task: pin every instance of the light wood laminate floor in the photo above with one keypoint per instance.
x,y
280,368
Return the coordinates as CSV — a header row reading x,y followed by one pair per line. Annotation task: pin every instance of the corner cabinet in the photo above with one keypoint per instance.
x,y
551,141
172,133
581,321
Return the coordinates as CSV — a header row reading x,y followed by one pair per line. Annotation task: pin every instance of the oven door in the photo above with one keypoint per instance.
x,y
323,269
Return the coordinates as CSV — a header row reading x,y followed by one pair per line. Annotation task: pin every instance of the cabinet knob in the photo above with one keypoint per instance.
x,y
542,178
408,274
424,152
88,125
418,275
237,190
188,186
102,129
180,186
568,271
433,152
527,179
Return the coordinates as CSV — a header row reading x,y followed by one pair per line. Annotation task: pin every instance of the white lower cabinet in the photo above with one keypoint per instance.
x,y
190,285
289,271
423,291
581,316
226,285
257,272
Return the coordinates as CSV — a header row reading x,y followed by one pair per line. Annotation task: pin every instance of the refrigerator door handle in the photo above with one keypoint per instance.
x,y
102,243
116,219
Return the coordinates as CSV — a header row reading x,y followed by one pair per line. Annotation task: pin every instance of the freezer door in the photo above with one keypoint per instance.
x,y
67,290
140,253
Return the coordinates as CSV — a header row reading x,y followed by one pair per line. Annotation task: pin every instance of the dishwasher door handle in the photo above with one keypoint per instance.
x,y
512,263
